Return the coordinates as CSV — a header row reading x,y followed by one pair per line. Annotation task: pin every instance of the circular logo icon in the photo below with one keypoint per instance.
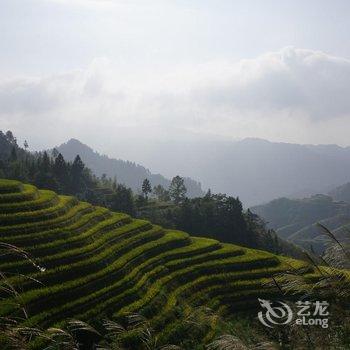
x,y
274,315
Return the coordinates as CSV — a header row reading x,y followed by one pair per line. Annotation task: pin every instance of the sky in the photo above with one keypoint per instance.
x,y
128,71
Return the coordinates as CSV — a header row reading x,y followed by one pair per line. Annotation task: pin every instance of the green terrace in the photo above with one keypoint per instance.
x,y
98,264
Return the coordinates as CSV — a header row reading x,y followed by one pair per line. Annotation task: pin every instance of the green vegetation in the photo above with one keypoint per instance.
x,y
296,219
66,253
128,173
146,188
215,216
96,264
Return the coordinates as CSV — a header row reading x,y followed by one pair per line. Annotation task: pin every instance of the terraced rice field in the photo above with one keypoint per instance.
x,y
91,263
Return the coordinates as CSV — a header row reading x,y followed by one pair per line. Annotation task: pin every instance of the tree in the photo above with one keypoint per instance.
x,y
140,201
76,174
146,188
122,200
13,156
44,176
177,189
60,170
54,153
10,138
45,163
50,171
25,145
208,195
161,193
114,183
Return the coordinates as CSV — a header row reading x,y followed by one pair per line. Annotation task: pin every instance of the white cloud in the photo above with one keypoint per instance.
x,y
292,80
279,92
88,3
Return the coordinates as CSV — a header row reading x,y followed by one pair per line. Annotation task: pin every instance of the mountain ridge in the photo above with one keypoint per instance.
x,y
256,170
126,172
297,220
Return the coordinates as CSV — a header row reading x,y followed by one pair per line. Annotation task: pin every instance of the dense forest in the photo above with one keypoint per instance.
x,y
214,215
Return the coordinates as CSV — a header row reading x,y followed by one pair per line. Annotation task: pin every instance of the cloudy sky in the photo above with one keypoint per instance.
x,y
109,70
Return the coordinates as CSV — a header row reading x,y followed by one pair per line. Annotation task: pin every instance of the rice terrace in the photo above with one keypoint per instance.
x,y
174,175
90,263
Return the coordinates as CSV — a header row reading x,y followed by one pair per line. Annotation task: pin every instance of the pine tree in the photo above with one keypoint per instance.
x,y
76,175
60,170
10,138
146,188
13,156
114,184
45,163
208,195
44,177
161,193
177,189
54,153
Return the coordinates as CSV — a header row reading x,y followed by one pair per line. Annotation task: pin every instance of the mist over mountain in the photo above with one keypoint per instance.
x,y
297,220
126,172
341,193
256,170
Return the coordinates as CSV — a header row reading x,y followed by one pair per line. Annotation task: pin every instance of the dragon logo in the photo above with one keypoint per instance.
x,y
274,315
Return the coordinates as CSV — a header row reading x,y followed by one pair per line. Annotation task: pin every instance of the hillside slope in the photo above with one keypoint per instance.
x,y
341,193
296,219
95,263
127,173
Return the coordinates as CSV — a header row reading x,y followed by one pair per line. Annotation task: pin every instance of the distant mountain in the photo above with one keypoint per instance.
x,y
126,172
296,219
341,193
255,170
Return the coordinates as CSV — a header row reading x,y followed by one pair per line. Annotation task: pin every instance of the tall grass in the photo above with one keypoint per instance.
x,y
329,281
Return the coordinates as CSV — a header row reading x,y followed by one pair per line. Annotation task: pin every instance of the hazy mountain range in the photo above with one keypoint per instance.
x,y
126,172
255,170
341,193
297,220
